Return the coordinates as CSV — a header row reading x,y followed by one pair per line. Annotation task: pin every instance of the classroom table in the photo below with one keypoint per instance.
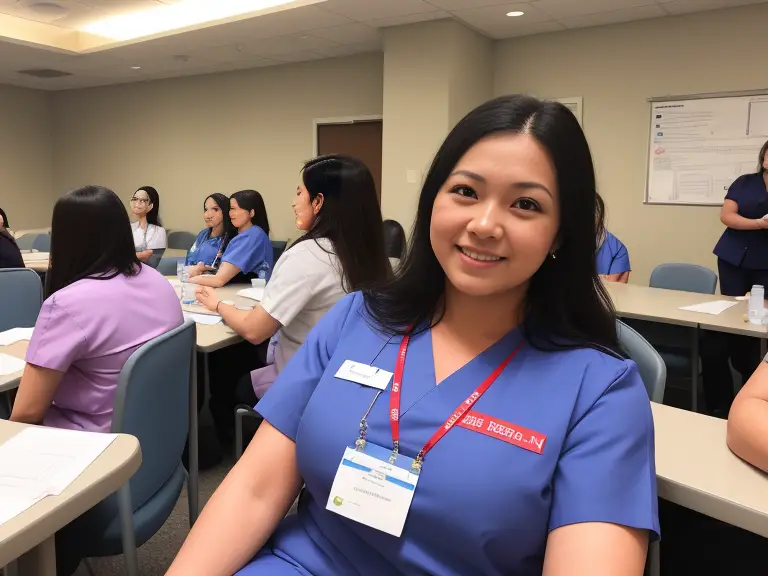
x,y
29,537
658,305
38,261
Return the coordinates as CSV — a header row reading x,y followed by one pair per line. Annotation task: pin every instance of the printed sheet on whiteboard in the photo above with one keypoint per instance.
x,y
699,147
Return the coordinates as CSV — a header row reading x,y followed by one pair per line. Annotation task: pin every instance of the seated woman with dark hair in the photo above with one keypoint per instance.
x,y
10,255
394,242
210,244
149,235
249,254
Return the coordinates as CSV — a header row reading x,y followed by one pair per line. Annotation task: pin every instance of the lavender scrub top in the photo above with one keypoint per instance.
x,y
88,330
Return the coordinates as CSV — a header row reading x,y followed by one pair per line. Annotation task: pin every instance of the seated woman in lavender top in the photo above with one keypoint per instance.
x,y
101,305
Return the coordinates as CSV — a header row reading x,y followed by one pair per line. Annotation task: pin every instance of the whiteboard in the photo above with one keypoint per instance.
x,y
699,146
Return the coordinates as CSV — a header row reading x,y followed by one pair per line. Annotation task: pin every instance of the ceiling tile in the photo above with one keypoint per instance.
x,y
495,17
348,33
79,14
408,19
528,29
291,44
687,6
349,49
117,7
559,9
614,17
465,4
363,10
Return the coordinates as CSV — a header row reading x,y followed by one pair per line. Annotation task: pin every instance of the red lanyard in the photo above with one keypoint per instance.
x,y
458,414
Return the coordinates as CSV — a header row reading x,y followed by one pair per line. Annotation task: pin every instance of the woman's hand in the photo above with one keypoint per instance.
x,y
196,270
207,297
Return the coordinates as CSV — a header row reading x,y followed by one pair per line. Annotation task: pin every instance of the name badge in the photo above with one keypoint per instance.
x,y
364,374
371,491
503,430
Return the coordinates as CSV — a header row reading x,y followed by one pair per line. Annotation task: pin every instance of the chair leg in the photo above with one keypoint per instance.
x,y
238,433
130,553
695,369
193,493
653,564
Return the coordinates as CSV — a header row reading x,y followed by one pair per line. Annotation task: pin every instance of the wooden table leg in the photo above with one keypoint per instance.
x,y
40,561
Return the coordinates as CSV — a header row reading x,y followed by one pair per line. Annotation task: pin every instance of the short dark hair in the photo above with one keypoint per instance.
x,y
252,200
394,239
566,305
760,159
5,219
229,230
350,218
153,216
90,238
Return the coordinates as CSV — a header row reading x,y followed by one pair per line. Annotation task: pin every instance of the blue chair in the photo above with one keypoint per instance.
x,y
22,294
278,247
167,265
26,242
156,401
649,362
181,240
42,243
685,277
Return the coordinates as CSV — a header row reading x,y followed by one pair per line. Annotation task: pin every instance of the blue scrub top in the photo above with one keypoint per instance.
x,y
205,249
249,250
746,248
482,505
612,256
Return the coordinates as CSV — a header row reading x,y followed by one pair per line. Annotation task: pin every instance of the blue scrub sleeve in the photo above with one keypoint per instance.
x,y
284,403
621,261
606,471
198,242
248,250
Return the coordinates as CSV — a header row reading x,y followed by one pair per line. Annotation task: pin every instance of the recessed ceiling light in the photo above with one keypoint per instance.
x,y
515,13
135,67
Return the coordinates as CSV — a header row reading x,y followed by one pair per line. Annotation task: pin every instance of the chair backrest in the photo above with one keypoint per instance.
x,y
649,362
154,260
21,293
152,404
685,277
42,243
181,240
25,242
167,265
278,247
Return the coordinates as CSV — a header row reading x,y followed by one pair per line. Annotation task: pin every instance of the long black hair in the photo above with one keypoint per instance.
x,y
760,159
566,305
153,216
350,218
252,200
5,219
90,238
229,229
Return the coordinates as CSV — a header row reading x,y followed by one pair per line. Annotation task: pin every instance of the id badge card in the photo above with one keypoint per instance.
x,y
371,491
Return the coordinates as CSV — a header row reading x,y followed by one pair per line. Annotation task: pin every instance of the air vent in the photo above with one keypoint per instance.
x,y
44,73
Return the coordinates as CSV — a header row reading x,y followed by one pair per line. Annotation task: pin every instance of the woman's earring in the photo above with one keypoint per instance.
x,y
554,255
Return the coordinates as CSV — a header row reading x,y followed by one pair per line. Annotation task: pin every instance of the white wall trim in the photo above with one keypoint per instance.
x,y
576,105
339,120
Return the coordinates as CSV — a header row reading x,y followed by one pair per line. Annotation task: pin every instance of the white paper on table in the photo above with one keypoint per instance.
x,y
713,308
207,319
10,365
175,282
15,335
13,502
36,256
252,293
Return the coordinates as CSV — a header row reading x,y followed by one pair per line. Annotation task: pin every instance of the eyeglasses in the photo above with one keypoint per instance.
x,y
140,200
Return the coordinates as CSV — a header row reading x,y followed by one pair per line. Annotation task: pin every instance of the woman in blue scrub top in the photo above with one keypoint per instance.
x,y
250,251
612,258
548,468
208,248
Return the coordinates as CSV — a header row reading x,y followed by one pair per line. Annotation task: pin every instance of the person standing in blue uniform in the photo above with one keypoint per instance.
x,y
248,252
612,258
208,248
742,262
470,416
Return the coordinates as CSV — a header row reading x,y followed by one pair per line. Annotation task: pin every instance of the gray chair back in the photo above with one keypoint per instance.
x,y
278,247
154,260
181,240
152,403
167,266
685,277
42,243
25,242
649,362
22,295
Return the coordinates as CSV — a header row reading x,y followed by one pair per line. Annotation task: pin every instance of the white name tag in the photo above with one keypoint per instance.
x,y
370,490
364,374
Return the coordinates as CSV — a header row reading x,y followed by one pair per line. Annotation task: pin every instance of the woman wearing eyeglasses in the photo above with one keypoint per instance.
x,y
148,233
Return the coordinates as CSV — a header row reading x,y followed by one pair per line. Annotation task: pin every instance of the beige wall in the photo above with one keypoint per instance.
x,y
615,69
25,149
192,136
472,73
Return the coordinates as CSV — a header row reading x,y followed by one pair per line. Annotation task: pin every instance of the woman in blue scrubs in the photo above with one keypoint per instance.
x,y
485,423
208,248
612,258
248,253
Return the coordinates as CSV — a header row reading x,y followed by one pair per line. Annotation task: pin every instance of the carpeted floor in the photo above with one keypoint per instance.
x,y
157,554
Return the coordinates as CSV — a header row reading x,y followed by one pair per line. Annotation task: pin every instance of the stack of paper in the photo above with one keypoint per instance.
x,y
15,335
714,308
10,365
252,293
207,319
40,462
36,257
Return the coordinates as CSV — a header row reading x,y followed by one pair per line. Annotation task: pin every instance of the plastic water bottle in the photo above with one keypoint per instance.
x,y
756,305
187,289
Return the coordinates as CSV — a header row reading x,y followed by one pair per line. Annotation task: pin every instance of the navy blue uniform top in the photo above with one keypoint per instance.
x,y
482,506
746,248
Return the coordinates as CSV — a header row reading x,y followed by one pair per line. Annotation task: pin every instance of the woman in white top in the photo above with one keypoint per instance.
x,y
148,233
342,251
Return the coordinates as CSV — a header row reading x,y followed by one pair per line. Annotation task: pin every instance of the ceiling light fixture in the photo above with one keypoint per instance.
x,y
174,16
515,14
135,67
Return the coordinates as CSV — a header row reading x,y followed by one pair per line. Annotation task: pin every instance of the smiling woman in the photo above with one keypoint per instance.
x,y
496,324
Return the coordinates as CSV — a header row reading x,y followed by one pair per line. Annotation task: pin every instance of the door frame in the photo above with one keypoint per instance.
x,y
340,120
